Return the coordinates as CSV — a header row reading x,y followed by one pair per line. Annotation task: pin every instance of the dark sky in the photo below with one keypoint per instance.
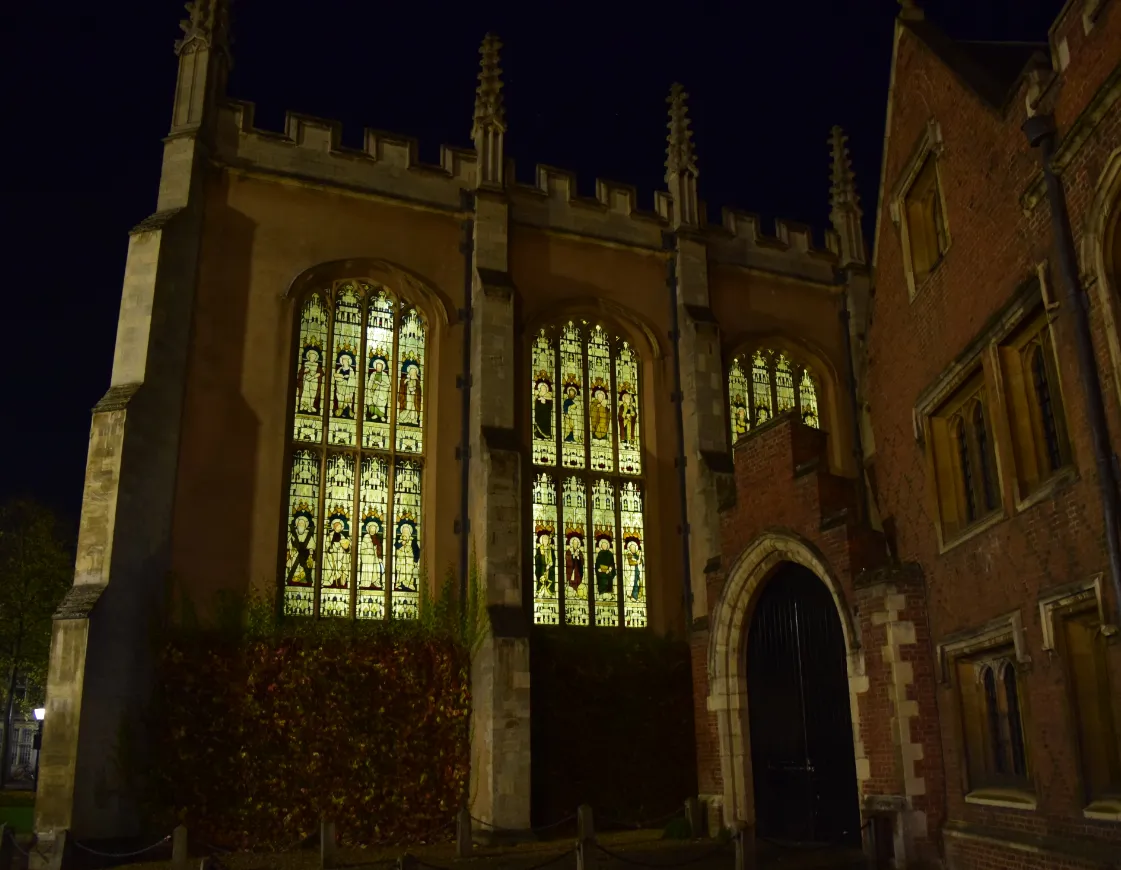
x,y
87,96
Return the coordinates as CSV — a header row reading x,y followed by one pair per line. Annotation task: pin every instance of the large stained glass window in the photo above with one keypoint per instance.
x,y
354,520
588,539
765,383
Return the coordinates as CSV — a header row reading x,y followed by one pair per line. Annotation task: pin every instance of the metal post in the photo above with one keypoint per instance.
x,y
585,839
1040,131
463,833
327,845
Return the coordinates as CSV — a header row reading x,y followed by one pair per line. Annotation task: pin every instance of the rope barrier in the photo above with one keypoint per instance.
x,y
11,836
704,856
644,823
122,854
537,830
538,866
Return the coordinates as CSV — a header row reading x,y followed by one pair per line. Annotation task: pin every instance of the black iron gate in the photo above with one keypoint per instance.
x,y
802,758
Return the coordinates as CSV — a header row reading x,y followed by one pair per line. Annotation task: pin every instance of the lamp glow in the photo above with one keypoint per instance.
x,y
40,713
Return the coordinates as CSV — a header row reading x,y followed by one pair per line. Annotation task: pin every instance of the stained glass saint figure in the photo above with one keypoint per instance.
x,y
309,383
634,567
572,414
600,414
371,555
301,548
545,562
543,409
628,419
345,386
378,388
409,394
605,564
336,562
574,561
406,555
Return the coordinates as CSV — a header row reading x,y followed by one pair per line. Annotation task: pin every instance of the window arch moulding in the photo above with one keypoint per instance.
x,y
1100,257
923,162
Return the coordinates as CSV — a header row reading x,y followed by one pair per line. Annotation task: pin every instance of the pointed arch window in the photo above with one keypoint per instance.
x,y
353,520
992,721
768,382
587,494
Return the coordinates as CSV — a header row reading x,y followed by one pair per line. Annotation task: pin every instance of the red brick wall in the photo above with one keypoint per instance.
x,y
985,167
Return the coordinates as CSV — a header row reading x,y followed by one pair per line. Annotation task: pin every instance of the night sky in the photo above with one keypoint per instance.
x,y
87,94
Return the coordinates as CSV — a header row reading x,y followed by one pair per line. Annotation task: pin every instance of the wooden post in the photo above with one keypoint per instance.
x,y
585,838
179,846
694,815
462,834
327,845
6,836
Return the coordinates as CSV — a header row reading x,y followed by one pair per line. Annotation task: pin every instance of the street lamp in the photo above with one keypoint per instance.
x,y
40,715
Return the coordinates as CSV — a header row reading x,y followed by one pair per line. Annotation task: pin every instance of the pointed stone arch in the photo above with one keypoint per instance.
x,y
727,658
1100,261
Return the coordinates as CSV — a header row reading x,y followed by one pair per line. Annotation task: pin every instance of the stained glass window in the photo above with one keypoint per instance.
x,y
546,600
778,383
353,528
588,536
543,398
739,415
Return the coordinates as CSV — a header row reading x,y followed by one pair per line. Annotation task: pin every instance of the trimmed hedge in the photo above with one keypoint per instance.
x,y
612,724
255,739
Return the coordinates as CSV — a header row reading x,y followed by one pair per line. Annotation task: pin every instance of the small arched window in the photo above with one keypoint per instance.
x,y
965,468
588,543
766,383
985,458
353,521
1045,405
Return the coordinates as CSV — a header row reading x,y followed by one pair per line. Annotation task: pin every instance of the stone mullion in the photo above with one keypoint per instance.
x,y
324,452
389,538
359,421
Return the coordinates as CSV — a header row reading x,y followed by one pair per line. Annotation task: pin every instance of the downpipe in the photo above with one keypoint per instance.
x,y
467,249
857,438
1040,132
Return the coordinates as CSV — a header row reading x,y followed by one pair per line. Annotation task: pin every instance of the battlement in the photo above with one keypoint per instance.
x,y
310,151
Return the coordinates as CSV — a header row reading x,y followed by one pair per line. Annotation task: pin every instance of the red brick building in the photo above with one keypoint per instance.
x,y
973,569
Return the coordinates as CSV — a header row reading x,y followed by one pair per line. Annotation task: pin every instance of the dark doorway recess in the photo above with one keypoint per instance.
x,y
802,757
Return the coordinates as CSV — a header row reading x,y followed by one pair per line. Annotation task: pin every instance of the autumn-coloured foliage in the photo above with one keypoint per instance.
x,y
256,736
259,741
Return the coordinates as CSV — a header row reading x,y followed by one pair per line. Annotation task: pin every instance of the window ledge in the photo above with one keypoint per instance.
x,y
1010,798
973,531
1105,810
1048,488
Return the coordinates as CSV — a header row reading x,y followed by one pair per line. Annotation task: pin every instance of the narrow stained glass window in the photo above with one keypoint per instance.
x,y
966,463
543,401
406,539
344,361
737,400
600,413
546,603
606,567
573,393
784,384
807,401
988,483
410,384
334,599
301,550
574,511
374,504
633,560
310,381
586,416
354,520
760,389
626,392
1046,409
379,380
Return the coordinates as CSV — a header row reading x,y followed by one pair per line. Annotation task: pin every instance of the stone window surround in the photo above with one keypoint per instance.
x,y
1085,594
930,143
983,350
1104,212
995,633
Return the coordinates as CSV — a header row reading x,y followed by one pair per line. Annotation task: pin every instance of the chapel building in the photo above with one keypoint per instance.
x,y
876,508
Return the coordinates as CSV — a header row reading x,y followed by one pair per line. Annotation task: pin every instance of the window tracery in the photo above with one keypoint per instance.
x,y
769,382
589,562
354,519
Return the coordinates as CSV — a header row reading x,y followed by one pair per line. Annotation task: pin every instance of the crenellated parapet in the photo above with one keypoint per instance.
x,y
310,151
740,241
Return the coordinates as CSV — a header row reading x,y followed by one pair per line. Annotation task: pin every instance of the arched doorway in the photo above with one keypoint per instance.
x,y
802,759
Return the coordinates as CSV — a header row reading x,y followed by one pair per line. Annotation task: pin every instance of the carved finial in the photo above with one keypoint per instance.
x,y
490,114
845,213
679,156
207,26
910,9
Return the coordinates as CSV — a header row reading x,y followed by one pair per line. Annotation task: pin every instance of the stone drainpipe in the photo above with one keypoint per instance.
x,y
1040,131
467,248
669,241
